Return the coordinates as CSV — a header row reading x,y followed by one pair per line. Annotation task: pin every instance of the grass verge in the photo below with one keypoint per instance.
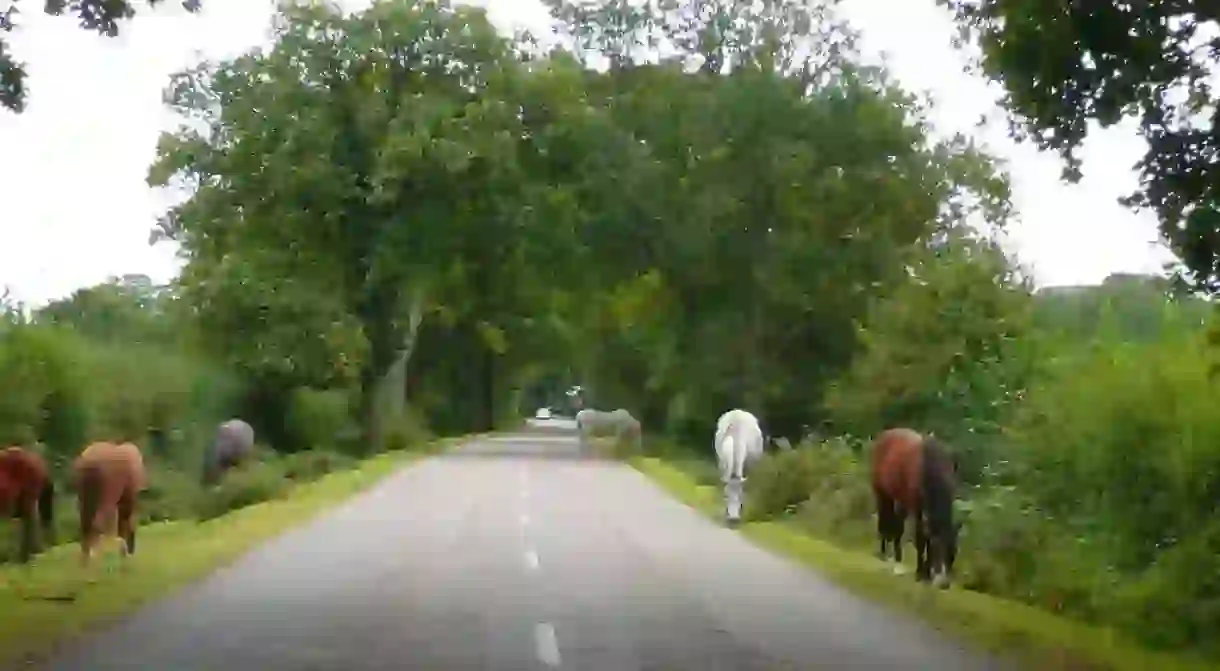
x,y
1038,639
53,599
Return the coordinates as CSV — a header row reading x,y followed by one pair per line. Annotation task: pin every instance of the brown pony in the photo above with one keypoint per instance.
x,y
27,493
913,474
109,479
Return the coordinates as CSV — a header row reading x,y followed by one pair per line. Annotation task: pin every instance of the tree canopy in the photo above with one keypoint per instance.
x,y
687,229
1067,65
100,16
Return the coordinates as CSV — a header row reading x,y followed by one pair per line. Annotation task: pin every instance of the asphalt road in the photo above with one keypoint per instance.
x,y
514,553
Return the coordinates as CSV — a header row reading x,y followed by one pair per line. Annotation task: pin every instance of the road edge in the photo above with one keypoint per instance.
x,y
41,626
1030,636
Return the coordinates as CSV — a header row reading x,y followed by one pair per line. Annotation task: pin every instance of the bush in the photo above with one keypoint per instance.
x,y
313,464
1118,452
172,494
60,391
65,392
781,481
317,418
253,483
407,431
37,364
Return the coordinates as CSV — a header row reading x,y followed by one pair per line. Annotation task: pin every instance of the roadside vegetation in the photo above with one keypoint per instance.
x,y
404,223
53,599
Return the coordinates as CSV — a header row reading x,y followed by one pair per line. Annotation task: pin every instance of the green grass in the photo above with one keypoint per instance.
x,y
1035,637
53,598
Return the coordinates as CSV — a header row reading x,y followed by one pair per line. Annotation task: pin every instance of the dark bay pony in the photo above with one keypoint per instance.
x,y
109,479
27,494
233,444
914,474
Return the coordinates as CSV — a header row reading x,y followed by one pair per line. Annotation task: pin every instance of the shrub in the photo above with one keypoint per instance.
x,y
172,494
406,431
37,363
254,483
313,464
781,481
62,390
1117,448
316,418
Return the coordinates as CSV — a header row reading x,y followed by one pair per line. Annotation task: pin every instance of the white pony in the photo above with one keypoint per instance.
x,y
739,440
591,422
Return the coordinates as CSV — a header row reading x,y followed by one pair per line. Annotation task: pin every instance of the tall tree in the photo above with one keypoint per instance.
x,y
784,183
371,161
100,16
1066,64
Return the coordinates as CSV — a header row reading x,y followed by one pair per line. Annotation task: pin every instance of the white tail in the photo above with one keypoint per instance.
x,y
728,460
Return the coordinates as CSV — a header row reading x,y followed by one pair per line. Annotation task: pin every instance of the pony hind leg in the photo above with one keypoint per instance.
x,y
922,565
885,514
891,519
88,501
898,528
127,522
899,522
28,513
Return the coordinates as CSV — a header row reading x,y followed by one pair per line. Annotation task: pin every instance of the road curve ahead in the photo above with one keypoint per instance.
x,y
514,553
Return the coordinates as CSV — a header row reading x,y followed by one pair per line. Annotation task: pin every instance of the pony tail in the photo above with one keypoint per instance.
x,y
727,449
46,509
936,492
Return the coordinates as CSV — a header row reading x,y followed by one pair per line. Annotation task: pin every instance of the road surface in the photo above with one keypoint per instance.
x,y
513,553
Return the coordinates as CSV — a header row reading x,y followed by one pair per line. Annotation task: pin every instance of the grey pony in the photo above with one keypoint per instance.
x,y
233,443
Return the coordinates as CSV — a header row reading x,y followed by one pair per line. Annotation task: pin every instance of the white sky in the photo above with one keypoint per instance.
x,y
74,208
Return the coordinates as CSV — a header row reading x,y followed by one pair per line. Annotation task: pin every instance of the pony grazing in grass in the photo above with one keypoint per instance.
x,y
233,444
109,479
739,441
914,474
27,493
591,423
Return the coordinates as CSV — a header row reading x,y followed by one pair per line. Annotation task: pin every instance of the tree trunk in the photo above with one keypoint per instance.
x,y
376,317
414,321
488,383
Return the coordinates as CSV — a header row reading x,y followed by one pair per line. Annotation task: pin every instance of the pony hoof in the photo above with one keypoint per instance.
x,y
940,582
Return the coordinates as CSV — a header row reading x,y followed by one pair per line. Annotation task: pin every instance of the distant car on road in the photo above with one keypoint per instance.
x,y
543,413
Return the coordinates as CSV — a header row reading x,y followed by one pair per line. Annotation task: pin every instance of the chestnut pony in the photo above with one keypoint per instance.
x,y
28,494
109,479
914,474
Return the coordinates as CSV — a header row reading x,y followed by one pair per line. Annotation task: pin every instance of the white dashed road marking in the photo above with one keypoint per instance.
x,y
546,644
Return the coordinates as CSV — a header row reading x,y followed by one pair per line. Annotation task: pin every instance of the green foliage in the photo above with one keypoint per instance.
x,y
1135,308
317,418
407,431
100,16
1096,497
126,310
256,482
172,494
822,483
1065,66
312,464
947,351
402,220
